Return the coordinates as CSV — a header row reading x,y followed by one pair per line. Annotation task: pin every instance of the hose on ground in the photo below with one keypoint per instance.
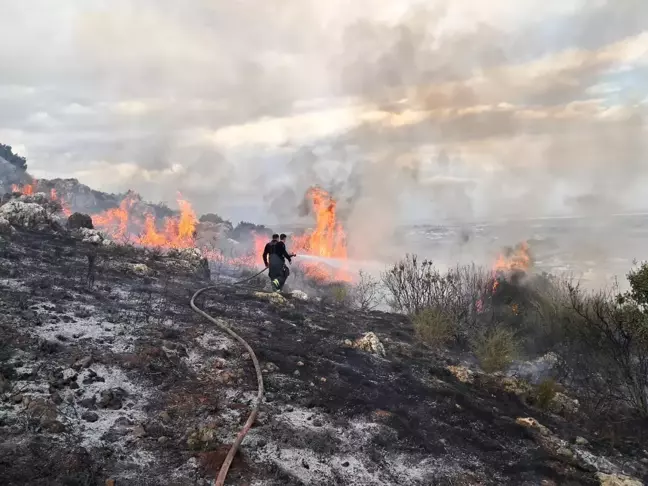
x,y
222,474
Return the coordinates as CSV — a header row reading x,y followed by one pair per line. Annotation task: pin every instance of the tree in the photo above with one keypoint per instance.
x,y
6,152
212,218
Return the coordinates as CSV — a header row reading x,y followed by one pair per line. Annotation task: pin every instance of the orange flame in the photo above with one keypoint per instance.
x,y
328,239
114,222
65,207
516,259
121,224
177,232
27,189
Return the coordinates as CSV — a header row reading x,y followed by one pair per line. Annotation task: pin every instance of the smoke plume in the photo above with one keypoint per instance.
x,y
405,111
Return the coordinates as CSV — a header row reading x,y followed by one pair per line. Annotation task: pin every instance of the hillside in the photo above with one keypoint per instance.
x,y
107,375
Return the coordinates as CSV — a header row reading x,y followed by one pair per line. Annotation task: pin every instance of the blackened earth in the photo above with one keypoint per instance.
x,y
106,373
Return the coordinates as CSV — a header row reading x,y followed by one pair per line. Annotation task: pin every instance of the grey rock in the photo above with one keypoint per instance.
x,y
89,403
53,426
112,399
82,363
90,416
139,431
123,422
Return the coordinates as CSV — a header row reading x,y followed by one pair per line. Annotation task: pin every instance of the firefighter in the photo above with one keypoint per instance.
x,y
274,258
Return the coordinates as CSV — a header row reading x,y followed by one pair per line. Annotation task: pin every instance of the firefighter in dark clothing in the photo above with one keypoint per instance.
x,y
270,248
274,257
283,253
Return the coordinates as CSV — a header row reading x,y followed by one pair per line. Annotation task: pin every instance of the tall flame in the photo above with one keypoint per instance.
x,y
516,259
327,239
513,260
65,207
114,222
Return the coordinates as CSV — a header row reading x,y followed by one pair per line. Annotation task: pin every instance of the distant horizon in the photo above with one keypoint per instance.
x,y
406,224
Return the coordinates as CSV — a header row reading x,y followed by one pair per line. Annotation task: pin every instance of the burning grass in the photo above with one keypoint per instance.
x,y
132,223
125,225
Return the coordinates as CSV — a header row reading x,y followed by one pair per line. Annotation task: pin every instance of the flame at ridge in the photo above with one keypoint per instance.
x,y
65,207
27,189
513,260
327,239
114,222
125,225
516,259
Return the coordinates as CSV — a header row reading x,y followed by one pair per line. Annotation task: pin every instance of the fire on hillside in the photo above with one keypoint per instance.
x,y
128,224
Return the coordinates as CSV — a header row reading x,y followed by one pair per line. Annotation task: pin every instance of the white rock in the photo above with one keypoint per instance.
x,y
617,480
370,343
94,236
298,294
27,215
186,253
140,269
537,370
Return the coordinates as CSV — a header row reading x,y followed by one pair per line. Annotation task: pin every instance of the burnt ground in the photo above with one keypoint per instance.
x,y
106,373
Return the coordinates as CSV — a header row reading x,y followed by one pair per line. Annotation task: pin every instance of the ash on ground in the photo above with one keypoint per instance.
x,y
107,374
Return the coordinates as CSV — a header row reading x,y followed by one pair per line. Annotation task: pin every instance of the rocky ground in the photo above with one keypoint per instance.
x,y
108,377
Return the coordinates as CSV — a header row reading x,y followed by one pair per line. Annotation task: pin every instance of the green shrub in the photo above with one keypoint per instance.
x,y
340,294
496,349
434,327
545,393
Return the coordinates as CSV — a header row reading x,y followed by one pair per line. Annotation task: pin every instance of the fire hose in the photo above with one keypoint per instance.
x,y
222,474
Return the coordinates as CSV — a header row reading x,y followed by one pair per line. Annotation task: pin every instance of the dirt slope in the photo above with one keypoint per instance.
x,y
105,373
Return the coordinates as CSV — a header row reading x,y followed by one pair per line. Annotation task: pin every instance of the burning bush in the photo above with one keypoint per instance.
x,y
600,339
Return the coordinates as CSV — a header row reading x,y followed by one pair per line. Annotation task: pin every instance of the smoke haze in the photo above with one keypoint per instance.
x,y
408,111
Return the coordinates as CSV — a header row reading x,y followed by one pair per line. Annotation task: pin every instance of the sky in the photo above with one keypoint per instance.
x,y
408,111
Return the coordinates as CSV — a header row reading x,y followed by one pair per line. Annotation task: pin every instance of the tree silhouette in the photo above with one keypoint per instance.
x,y
6,152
